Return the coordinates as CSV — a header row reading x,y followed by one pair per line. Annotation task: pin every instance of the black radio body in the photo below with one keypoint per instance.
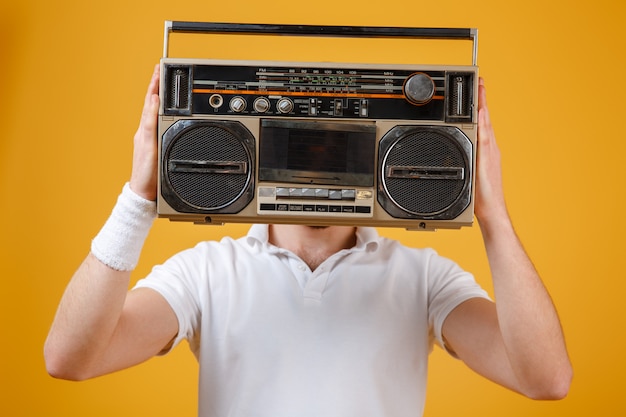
x,y
316,143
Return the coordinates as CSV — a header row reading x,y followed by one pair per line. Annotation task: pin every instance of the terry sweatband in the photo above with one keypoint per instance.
x,y
119,242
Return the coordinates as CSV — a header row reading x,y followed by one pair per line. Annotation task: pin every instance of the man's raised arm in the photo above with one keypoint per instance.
x,y
518,341
99,326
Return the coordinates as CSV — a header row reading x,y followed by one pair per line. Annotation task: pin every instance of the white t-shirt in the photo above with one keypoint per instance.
x,y
275,339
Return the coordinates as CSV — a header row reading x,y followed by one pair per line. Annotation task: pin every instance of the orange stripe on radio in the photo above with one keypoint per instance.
x,y
305,94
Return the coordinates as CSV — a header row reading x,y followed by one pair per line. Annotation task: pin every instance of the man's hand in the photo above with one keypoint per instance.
x,y
490,202
143,179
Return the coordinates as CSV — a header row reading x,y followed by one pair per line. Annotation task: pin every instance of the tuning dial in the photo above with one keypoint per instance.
x,y
284,105
238,104
419,88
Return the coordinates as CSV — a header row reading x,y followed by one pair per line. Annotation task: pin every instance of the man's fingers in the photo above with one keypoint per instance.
x,y
150,113
151,103
153,87
482,103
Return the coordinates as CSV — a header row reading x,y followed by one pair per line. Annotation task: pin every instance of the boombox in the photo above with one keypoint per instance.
x,y
317,143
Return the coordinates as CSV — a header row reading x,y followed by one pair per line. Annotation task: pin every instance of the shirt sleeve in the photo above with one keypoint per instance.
x,y
177,281
448,286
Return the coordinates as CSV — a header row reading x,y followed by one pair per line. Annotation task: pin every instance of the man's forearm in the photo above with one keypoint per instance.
x,y
86,319
528,320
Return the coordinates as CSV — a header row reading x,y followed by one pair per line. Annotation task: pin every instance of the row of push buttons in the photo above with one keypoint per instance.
x,y
316,193
315,208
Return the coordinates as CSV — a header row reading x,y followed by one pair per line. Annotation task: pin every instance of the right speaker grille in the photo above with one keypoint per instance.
x,y
425,172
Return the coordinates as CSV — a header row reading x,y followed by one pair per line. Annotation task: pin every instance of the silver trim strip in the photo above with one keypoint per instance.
x,y
425,173
208,167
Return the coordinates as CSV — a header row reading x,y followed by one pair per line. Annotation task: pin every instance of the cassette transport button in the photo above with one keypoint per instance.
x,y
334,194
321,193
348,194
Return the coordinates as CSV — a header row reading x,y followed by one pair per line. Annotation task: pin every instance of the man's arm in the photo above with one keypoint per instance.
x,y
518,341
100,327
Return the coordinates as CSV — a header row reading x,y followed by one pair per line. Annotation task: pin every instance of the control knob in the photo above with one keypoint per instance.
x,y
419,88
284,105
261,104
238,104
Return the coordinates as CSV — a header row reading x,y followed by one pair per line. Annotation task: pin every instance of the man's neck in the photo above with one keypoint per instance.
x,y
312,244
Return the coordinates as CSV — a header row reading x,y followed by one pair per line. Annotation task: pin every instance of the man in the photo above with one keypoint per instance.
x,y
309,321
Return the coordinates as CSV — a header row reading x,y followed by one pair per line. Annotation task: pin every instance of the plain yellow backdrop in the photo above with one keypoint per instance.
x,y
72,80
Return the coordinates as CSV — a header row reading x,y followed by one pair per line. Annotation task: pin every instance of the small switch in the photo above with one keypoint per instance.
x,y
313,107
363,108
338,108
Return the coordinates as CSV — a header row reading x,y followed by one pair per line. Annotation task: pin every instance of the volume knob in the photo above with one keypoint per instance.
x,y
419,88
284,105
261,104
238,104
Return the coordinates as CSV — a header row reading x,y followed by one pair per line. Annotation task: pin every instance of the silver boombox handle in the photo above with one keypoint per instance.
x,y
326,31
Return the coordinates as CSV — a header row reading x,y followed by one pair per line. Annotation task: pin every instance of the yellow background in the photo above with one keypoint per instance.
x,y
72,80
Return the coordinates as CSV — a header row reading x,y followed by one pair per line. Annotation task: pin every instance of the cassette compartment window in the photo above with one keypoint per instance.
x,y
323,153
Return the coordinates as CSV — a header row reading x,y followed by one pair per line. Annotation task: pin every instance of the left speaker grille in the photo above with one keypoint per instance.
x,y
207,145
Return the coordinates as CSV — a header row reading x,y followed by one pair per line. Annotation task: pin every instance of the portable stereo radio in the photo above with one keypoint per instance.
x,y
317,143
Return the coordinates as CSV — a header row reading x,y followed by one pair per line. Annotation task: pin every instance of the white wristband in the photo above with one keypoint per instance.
x,y
119,242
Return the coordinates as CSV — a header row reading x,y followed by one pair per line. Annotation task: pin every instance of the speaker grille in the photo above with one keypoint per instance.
x,y
434,191
208,144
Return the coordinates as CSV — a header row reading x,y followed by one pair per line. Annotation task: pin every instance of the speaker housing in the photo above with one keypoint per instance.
x,y
424,176
207,166
425,172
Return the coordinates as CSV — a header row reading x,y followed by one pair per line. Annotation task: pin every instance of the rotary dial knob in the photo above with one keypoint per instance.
x,y
261,104
238,104
284,105
419,88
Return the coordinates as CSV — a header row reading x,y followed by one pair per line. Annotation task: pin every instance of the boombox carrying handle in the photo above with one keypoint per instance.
x,y
327,31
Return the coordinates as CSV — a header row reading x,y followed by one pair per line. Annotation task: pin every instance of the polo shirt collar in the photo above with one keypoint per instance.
x,y
366,237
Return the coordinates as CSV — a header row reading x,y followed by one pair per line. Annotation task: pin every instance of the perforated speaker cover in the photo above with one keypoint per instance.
x,y
425,172
207,166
